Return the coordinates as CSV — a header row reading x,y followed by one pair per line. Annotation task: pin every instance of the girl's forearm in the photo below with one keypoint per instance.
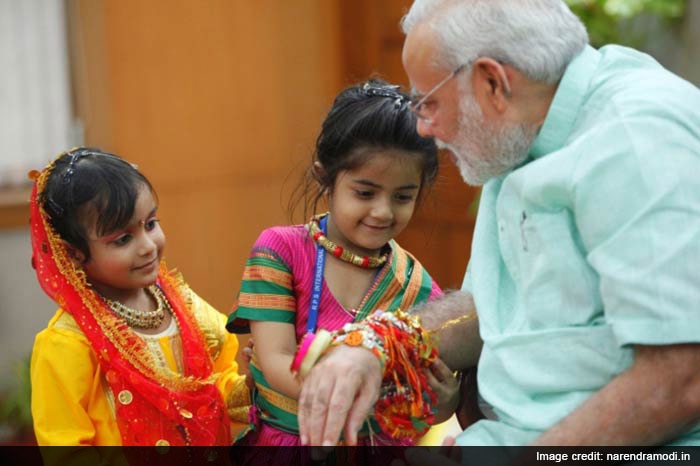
x,y
275,367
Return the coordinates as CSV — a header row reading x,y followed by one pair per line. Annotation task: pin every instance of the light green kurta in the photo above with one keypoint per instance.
x,y
591,246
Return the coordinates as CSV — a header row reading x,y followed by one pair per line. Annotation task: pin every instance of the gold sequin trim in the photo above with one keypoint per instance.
x,y
267,301
238,402
125,397
287,404
268,274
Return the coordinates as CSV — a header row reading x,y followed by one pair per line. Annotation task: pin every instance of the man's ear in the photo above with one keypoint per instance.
x,y
491,84
76,255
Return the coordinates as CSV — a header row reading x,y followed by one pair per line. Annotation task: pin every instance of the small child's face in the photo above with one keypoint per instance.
x,y
373,203
127,259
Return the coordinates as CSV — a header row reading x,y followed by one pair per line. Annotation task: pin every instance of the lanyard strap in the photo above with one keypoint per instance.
x,y
318,281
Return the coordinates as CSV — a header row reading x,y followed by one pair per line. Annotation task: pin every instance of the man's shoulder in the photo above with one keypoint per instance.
x,y
632,99
631,81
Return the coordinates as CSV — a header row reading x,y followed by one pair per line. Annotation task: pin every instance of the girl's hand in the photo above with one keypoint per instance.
x,y
247,356
248,351
446,387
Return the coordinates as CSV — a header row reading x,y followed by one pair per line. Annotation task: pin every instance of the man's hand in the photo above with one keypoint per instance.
x,y
339,393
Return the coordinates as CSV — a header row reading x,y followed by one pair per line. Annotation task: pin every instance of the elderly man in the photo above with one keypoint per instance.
x,y
584,269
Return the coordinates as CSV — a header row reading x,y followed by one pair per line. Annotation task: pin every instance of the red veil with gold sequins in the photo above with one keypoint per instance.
x,y
153,407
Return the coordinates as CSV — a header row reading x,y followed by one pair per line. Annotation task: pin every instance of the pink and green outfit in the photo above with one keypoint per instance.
x,y
277,286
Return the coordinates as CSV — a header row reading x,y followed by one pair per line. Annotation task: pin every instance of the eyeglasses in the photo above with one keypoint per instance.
x,y
418,107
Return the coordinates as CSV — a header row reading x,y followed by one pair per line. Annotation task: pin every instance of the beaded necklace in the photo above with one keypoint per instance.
x,y
338,251
146,320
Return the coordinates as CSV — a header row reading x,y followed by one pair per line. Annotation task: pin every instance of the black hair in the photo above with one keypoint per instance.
x,y
86,185
370,116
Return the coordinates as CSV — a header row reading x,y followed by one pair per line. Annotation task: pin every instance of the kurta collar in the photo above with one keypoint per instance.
x,y
566,103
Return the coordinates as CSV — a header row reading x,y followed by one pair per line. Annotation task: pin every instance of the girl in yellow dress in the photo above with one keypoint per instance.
x,y
132,356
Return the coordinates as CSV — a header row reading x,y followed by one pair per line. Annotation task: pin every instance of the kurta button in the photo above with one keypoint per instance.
x,y
162,443
125,397
186,414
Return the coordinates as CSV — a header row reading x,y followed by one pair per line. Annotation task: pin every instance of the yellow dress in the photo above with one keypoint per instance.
x,y
72,403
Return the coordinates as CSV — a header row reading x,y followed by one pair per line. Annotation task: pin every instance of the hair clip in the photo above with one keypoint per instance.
x,y
388,90
56,210
79,153
74,157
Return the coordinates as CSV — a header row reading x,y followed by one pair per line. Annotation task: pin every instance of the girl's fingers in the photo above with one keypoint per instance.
x,y
440,370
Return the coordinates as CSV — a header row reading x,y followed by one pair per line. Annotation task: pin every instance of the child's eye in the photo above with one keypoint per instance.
x,y
364,194
403,197
122,240
151,224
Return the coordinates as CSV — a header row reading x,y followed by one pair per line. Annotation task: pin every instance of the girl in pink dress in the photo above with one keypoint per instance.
x,y
370,167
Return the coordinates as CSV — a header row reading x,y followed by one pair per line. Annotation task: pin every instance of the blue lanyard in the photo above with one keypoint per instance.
x,y
318,281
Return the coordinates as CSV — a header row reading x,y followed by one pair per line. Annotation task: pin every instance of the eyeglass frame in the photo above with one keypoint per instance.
x,y
415,106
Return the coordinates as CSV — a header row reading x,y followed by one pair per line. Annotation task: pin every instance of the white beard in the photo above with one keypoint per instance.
x,y
483,151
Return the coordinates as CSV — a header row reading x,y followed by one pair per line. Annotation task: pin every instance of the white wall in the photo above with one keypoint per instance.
x,y
35,124
24,308
35,109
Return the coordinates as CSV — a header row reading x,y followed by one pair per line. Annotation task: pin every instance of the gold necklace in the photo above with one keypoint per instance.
x,y
145,320
338,251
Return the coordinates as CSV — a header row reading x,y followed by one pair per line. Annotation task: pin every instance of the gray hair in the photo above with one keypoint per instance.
x,y
537,37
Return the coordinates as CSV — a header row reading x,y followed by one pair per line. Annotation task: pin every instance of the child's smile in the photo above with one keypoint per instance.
x,y
127,260
373,203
